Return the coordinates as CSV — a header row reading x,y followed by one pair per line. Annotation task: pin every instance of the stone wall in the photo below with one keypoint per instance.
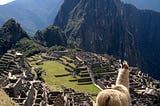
x,y
14,87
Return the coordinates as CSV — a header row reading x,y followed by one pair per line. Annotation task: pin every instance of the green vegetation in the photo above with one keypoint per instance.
x,y
53,68
28,47
57,48
68,60
5,100
10,33
51,36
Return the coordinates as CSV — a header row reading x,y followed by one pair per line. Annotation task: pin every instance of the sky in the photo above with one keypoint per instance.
x,y
2,2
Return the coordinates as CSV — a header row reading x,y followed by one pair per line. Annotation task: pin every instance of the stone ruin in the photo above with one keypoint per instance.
x,y
103,71
22,93
18,82
36,93
73,98
13,63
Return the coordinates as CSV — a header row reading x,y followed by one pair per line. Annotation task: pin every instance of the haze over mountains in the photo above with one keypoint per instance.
x,y
79,50
38,14
103,26
145,4
31,14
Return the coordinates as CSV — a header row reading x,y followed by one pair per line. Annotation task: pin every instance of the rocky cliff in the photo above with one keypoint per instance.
x,y
51,36
109,26
10,33
12,36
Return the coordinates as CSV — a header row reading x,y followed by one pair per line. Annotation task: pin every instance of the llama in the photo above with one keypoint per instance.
x,y
119,94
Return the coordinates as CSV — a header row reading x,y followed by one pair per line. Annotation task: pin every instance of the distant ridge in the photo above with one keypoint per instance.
x,y
145,4
31,14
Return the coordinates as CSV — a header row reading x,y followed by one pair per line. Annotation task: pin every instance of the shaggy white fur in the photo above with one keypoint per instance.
x,y
123,77
119,94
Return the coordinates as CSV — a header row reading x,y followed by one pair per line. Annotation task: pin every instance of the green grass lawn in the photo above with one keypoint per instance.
x,y
53,68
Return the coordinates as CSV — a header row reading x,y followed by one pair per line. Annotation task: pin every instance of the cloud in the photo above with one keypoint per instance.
x,y
2,2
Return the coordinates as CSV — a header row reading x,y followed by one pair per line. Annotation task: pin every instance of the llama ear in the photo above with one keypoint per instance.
x,y
125,62
125,65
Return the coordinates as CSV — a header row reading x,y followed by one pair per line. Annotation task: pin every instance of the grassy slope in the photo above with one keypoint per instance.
x,y
64,60
5,100
28,47
54,68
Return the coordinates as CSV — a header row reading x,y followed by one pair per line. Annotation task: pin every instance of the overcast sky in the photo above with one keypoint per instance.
x,y
5,1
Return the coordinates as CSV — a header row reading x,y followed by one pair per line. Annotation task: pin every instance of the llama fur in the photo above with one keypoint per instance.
x,y
119,94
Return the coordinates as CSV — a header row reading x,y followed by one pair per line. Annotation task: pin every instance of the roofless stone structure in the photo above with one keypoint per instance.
x,y
19,83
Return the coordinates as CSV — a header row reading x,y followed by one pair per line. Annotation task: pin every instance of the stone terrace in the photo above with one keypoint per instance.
x,y
104,70
18,82
22,87
73,98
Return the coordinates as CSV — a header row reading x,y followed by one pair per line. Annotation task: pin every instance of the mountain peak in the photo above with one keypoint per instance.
x,y
10,23
12,27
110,26
10,33
51,36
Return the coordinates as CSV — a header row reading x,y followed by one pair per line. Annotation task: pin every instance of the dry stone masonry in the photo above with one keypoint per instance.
x,y
103,71
19,83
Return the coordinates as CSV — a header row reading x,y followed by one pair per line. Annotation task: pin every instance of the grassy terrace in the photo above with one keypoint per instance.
x,y
65,58
53,68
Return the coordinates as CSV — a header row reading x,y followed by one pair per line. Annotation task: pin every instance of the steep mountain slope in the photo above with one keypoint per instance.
x,y
66,8
32,14
109,26
28,47
144,26
10,33
51,36
12,36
